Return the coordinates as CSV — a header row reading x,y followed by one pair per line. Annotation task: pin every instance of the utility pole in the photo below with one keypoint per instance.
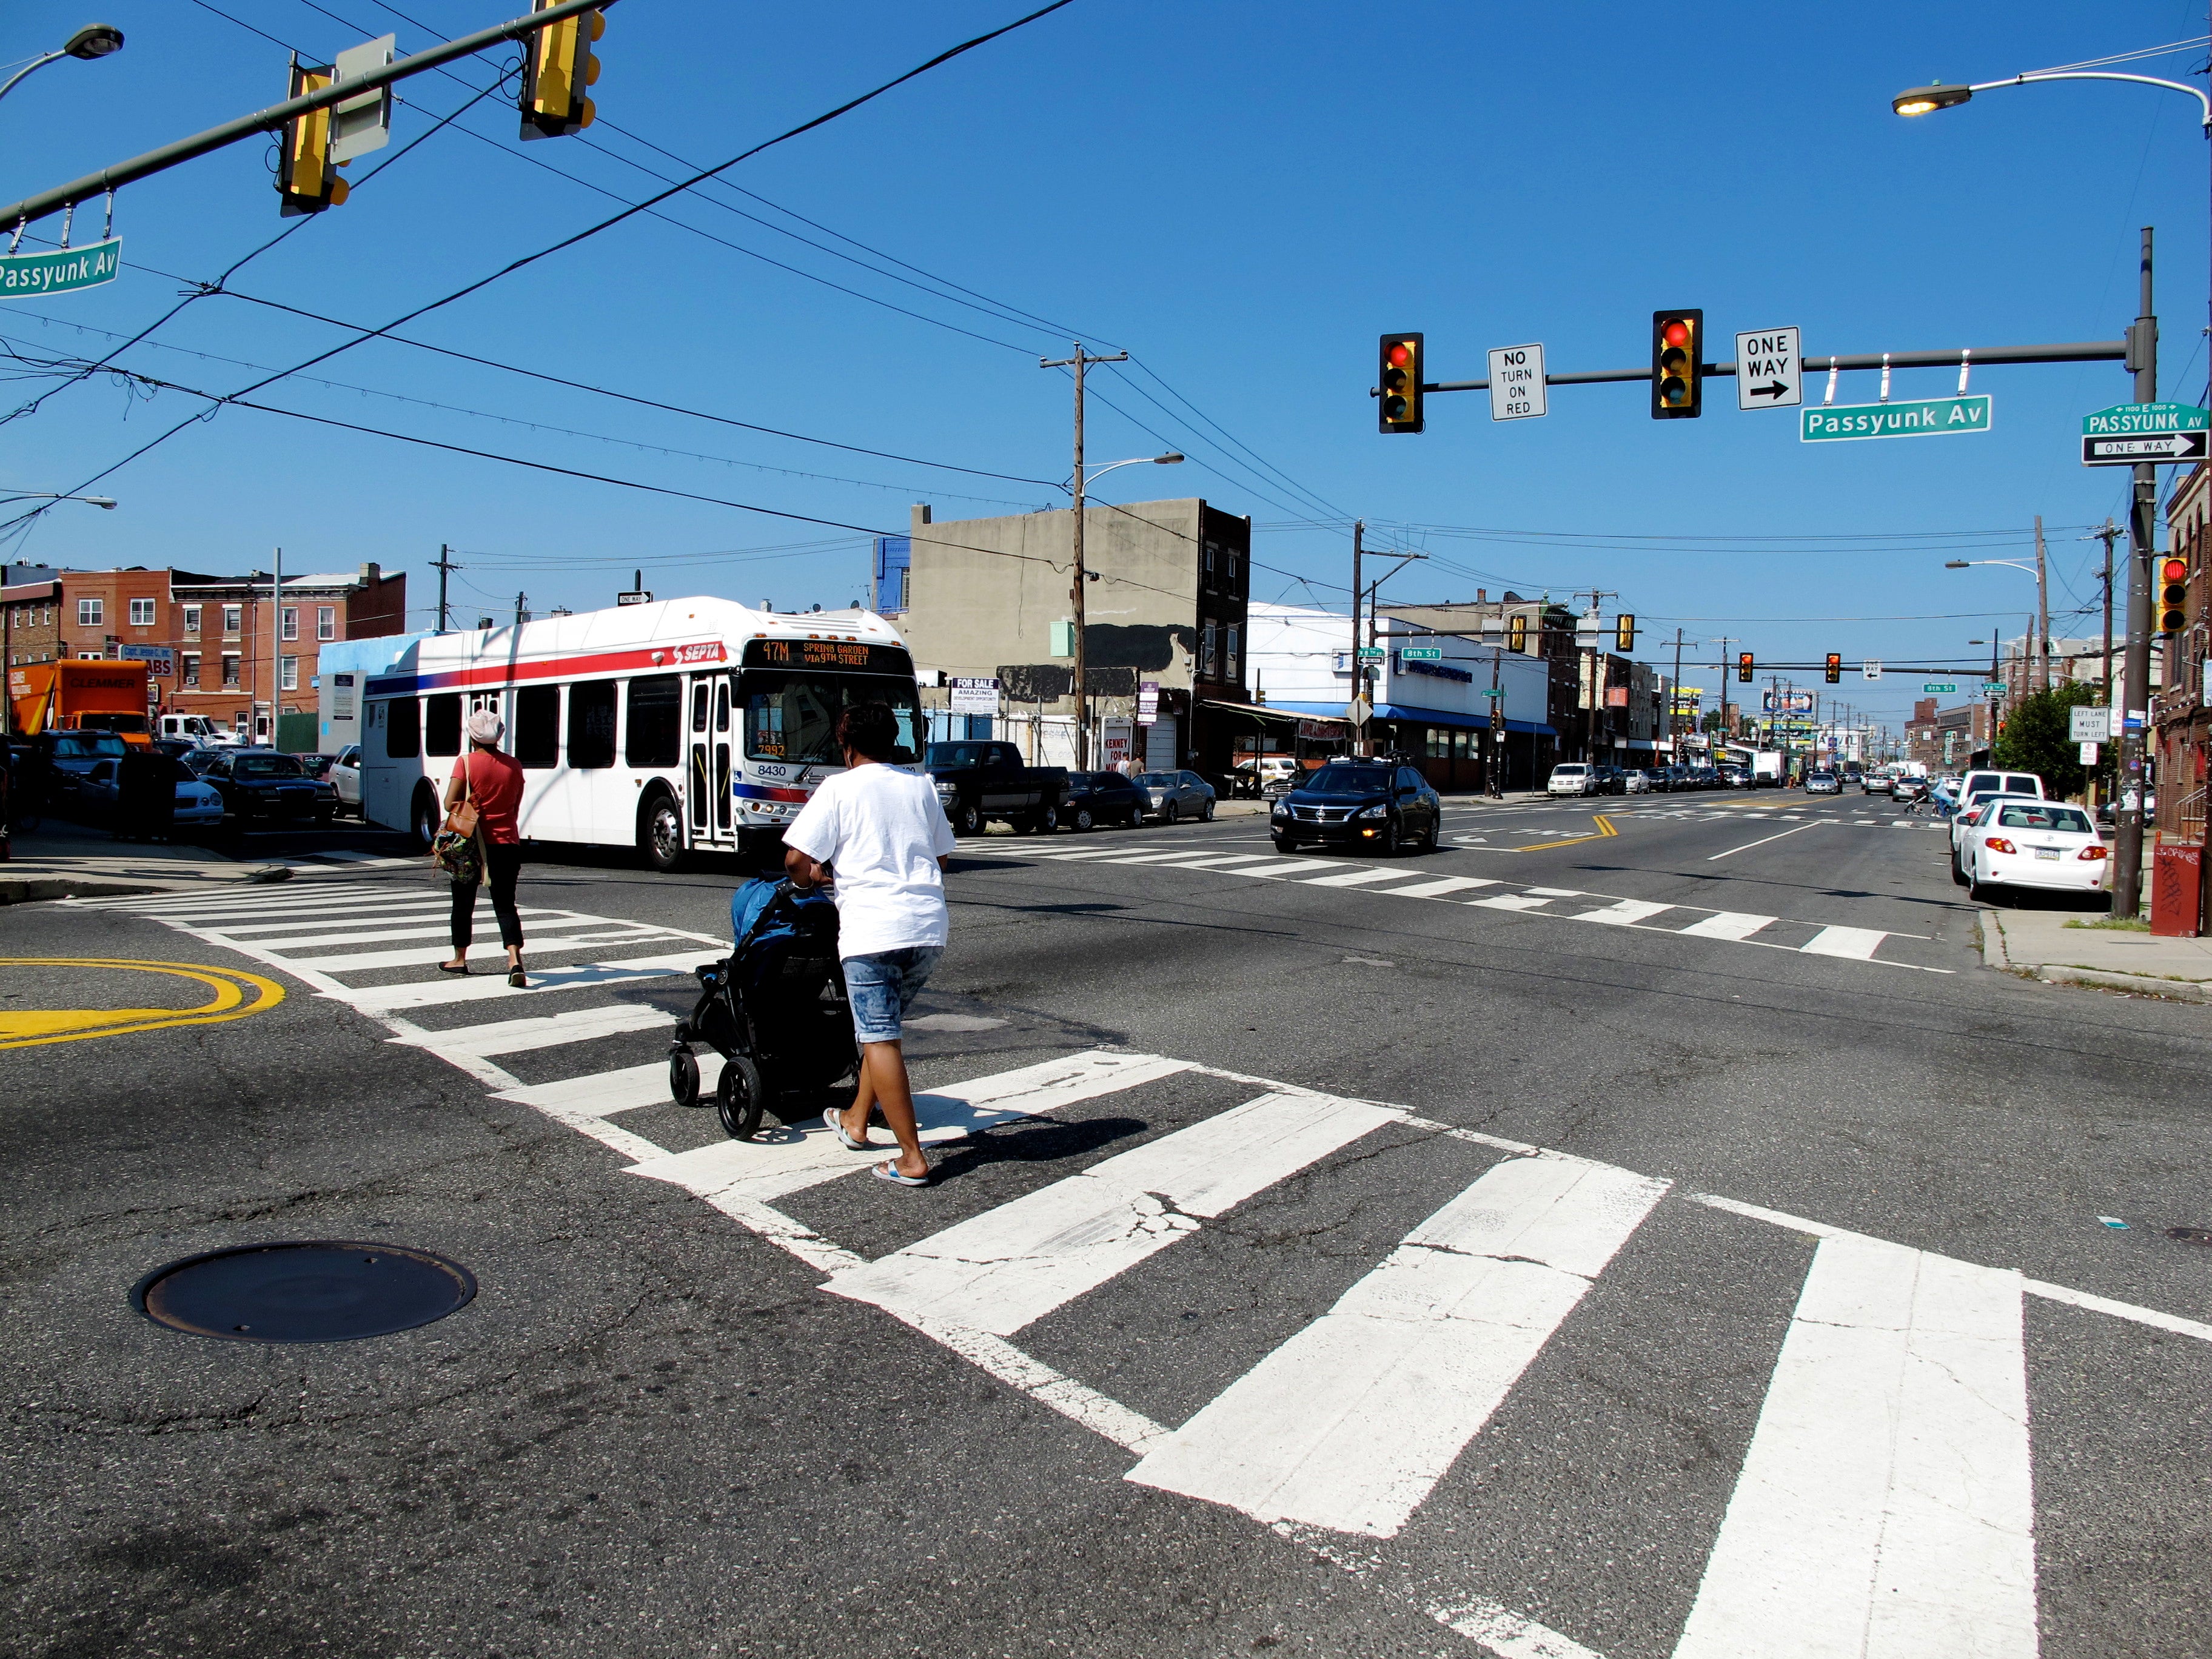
x,y
521,615
1358,683
1082,689
2135,701
276,639
2042,615
1674,705
2107,535
445,566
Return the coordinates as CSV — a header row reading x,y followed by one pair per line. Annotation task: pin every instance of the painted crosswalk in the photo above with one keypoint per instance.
x,y
1882,947
1884,1504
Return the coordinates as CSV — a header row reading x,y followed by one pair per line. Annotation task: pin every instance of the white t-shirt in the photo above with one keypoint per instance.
x,y
881,831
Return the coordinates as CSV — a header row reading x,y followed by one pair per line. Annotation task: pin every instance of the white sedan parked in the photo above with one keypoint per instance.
x,y
1965,823
2033,843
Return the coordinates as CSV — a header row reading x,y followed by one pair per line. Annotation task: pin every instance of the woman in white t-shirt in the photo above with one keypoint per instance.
x,y
879,835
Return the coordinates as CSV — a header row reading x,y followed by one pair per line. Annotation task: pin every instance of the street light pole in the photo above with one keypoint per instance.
x,y
2134,702
99,41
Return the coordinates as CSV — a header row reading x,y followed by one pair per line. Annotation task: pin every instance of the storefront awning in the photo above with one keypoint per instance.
x,y
1412,716
1288,714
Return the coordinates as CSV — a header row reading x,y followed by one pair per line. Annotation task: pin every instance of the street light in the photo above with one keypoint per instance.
x,y
1079,485
94,41
108,502
2042,611
1924,101
1092,475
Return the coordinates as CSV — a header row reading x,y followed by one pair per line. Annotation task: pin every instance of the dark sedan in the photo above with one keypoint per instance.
x,y
264,784
1096,797
1359,803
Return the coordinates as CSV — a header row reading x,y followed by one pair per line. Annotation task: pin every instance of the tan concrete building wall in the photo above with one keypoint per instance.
x,y
983,592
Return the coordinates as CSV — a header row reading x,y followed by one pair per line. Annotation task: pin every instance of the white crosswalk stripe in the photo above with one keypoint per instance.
x,y
1832,941
1884,1507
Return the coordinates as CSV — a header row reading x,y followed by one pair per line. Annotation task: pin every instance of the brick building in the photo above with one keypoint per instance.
x,y
2180,723
217,643
1947,739
30,616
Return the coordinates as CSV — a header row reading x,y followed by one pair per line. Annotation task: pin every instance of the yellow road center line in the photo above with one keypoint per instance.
x,y
30,1027
1604,828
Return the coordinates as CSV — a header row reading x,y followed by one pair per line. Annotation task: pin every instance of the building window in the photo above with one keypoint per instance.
x,y
191,621
291,622
89,656
229,672
287,674
191,667
233,620
1229,673
90,612
326,622
1209,649
142,613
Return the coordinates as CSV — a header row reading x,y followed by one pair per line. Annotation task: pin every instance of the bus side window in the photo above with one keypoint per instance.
x,y
699,705
656,713
402,734
442,724
537,725
592,724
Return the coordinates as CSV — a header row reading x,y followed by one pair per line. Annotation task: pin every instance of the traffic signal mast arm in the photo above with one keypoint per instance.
x,y
277,116
2086,351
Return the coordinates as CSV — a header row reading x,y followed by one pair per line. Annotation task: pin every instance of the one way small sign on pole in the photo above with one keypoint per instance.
x,y
1769,374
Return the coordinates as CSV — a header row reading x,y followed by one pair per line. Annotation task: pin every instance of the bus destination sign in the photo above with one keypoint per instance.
x,y
854,655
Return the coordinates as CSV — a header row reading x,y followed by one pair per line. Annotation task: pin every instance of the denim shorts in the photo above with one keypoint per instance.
x,y
883,987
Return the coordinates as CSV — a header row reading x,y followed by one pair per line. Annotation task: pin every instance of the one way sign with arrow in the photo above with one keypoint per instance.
x,y
2159,448
1769,374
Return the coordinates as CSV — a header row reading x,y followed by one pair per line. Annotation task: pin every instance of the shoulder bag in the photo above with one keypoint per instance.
x,y
454,849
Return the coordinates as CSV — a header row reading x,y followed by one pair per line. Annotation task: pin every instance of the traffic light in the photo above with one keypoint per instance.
x,y
1835,667
1400,384
1517,634
557,65
1678,370
2173,595
1744,666
307,182
1624,631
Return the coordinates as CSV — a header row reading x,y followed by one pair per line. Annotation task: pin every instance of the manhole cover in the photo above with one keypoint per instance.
x,y
2190,1235
314,1290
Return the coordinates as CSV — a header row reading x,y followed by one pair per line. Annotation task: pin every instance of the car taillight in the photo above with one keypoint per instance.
x,y
1998,844
2096,853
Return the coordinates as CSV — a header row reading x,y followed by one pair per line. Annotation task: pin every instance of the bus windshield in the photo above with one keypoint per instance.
x,y
792,716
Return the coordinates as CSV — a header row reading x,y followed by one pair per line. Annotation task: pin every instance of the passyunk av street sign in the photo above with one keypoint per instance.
x,y
1516,383
1769,374
60,271
2160,433
1913,418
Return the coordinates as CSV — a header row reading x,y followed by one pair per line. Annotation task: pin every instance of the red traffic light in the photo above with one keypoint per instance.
x,y
1400,355
1677,366
2174,570
1399,370
1677,333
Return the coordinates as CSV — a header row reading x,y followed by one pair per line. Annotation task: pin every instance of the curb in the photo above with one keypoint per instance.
x,y
30,890
2177,990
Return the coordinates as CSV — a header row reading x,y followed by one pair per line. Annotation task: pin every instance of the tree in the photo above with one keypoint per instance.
x,y
2037,737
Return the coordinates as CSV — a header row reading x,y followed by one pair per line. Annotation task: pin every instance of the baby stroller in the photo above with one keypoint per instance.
x,y
775,1008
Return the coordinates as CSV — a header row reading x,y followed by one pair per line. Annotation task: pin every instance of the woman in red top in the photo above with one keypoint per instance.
x,y
495,781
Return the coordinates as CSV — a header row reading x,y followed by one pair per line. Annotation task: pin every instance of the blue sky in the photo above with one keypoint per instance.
x,y
1243,196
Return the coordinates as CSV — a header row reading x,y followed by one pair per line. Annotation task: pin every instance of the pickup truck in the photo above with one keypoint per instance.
x,y
978,782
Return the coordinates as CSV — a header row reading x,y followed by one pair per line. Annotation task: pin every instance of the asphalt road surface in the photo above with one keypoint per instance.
x,y
1640,1228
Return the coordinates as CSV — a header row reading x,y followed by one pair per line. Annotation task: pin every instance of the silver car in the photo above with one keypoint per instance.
x,y
344,776
1170,796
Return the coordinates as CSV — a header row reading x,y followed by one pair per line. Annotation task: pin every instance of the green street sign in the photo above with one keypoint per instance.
x,y
1939,687
1421,653
1920,417
64,271
1991,688
1496,692
1371,653
2132,420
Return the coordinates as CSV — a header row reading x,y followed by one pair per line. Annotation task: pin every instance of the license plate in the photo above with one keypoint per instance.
x,y
2051,853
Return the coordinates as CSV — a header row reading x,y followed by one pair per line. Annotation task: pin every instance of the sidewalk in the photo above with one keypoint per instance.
x,y
68,861
2039,943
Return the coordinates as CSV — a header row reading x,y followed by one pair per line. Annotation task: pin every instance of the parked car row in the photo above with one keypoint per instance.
x,y
981,781
80,772
1589,778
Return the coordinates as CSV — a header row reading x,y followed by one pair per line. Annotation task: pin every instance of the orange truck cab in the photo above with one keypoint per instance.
x,y
82,696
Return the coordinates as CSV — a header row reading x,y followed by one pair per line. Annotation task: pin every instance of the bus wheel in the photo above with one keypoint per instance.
x,y
661,832
424,818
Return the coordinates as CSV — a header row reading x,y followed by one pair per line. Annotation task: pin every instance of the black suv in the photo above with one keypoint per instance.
x,y
1096,797
1359,803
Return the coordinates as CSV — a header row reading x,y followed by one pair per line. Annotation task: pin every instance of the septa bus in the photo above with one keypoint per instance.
x,y
686,724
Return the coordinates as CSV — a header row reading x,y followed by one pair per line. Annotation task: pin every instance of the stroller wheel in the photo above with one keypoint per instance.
x,y
738,1097
684,1077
